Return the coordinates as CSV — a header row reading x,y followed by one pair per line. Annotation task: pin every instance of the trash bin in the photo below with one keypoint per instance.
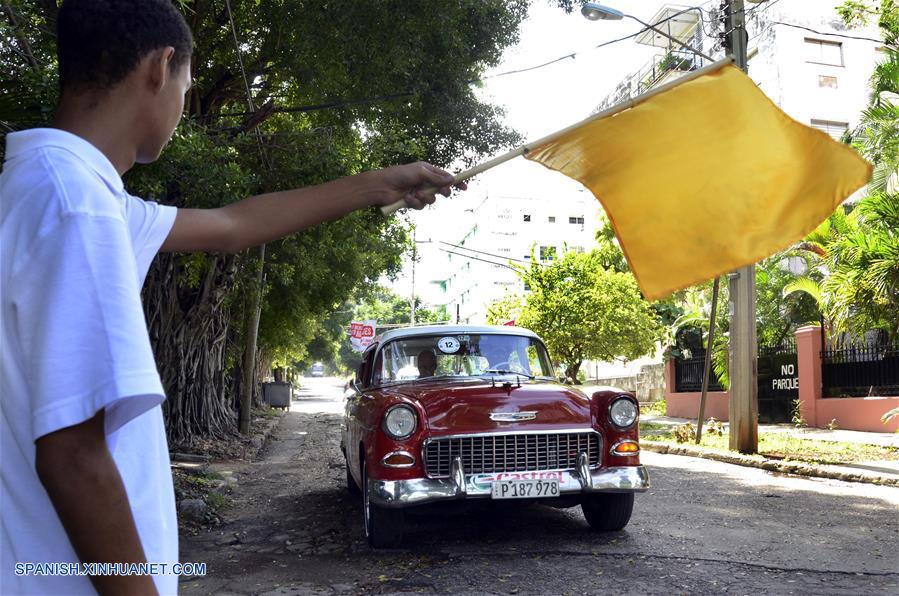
x,y
277,394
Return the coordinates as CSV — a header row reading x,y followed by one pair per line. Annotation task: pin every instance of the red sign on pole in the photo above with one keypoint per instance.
x,y
361,334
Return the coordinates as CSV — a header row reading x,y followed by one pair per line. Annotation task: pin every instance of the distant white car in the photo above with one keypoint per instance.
x,y
318,369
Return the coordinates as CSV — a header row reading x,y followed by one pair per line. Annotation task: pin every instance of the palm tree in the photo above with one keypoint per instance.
x,y
855,252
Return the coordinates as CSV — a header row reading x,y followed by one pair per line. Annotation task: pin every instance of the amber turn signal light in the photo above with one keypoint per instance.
x,y
626,448
398,459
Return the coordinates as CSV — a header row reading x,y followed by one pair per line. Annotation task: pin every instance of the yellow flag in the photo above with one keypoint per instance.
x,y
705,177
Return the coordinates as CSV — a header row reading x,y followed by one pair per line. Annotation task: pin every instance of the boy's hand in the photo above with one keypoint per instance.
x,y
416,183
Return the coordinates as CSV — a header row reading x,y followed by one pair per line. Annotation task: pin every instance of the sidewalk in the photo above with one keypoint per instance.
x,y
820,434
878,471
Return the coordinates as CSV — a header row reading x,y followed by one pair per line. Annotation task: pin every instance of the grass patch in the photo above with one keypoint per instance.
x,y
654,428
216,501
653,408
200,486
267,412
784,446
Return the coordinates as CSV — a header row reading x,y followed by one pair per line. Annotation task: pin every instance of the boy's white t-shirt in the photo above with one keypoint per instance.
x,y
74,251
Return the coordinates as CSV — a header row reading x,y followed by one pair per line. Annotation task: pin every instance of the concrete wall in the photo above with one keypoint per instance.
x,y
648,384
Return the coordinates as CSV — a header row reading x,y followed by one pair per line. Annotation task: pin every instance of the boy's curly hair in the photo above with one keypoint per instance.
x,y
100,41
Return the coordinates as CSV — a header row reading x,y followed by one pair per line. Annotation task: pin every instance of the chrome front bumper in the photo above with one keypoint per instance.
x,y
418,491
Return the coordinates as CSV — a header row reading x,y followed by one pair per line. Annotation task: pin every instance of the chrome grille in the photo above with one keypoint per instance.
x,y
515,452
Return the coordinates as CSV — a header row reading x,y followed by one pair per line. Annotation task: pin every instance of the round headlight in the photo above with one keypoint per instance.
x,y
623,412
399,422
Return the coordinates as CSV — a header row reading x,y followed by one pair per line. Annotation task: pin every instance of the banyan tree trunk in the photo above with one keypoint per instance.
x,y
188,330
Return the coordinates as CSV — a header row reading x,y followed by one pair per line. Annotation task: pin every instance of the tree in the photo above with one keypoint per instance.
x,y
780,313
855,252
508,308
400,91
330,342
582,310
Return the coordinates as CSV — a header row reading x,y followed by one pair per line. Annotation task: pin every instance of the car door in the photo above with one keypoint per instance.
x,y
354,428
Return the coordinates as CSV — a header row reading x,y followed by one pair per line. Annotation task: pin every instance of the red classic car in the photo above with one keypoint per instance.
x,y
462,412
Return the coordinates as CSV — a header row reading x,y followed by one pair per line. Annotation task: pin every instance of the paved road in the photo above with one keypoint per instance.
x,y
703,527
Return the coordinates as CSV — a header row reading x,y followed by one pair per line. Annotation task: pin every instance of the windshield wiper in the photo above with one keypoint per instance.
x,y
437,378
508,372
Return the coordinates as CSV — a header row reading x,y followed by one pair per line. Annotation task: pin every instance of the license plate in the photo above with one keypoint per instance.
x,y
524,489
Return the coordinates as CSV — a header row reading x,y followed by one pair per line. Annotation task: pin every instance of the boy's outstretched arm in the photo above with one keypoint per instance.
x,y
267,217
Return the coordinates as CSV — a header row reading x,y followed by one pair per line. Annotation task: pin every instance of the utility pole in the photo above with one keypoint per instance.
x,y
414,255
743,405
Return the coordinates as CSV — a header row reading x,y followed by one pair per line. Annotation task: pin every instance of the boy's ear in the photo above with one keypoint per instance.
x,y
158,66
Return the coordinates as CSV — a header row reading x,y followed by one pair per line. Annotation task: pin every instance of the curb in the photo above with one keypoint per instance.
x,y
770,465
260,438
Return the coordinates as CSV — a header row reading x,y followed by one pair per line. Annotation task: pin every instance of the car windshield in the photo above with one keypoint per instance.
x,y
461,355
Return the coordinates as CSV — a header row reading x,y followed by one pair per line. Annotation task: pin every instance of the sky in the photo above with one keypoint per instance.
x,y
542,101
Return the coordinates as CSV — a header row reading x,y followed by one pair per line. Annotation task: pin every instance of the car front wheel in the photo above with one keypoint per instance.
x,y
607,512
383,526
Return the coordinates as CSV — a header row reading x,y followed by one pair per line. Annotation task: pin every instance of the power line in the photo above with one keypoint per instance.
x,y
830,34
560,58
478,259
481,252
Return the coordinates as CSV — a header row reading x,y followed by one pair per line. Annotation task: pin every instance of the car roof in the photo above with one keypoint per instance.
x,y
455,330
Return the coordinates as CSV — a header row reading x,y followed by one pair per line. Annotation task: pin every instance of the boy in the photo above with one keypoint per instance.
x,y
85,468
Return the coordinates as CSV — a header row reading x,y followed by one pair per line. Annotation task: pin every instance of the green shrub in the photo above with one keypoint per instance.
x,y
685,433
714,427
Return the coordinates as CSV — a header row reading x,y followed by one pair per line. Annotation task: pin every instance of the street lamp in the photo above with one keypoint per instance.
x,y
595,11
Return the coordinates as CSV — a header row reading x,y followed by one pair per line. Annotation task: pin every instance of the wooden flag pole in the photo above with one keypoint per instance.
x,y
524,149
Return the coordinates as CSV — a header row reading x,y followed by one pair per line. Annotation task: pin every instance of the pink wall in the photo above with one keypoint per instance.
x,y
808,359
686,405
858,413
850,413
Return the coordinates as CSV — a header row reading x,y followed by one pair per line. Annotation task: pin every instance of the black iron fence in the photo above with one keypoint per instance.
x,y
688,375
861,369
786,346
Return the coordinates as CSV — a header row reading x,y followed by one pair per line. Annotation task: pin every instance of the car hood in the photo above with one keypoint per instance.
x,y
466,407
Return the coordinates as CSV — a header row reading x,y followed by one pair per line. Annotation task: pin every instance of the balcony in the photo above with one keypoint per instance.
x,y
664,67
660,69
682,26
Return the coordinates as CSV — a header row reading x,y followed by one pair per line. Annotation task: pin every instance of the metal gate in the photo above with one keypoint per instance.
x,y
778,382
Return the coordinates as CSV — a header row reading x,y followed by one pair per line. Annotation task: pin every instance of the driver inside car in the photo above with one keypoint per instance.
x,y
427,364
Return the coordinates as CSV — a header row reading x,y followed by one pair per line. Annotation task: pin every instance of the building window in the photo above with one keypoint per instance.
x,y
527,217
576,220
834,129
820,51
827,82
552,219
579,250
547,253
